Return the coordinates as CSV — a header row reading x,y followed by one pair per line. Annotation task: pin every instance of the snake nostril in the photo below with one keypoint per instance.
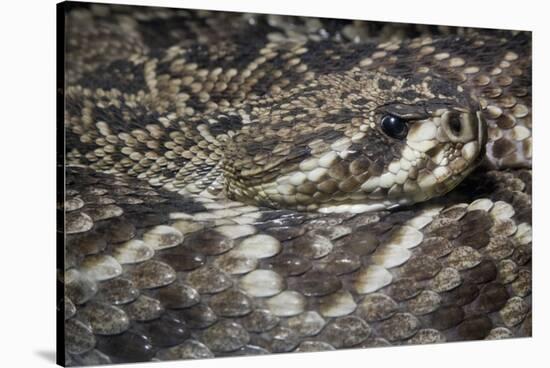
x,y
455,124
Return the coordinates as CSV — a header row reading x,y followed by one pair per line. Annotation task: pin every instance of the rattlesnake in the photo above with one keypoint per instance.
x,y
243,184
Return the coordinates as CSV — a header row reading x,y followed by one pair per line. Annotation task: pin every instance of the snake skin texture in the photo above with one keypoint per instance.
x,y
230,190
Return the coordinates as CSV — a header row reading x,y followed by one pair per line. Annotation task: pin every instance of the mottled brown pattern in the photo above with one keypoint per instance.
x,y
170,112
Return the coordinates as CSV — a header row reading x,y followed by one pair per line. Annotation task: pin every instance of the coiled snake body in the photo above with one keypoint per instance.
x,y
245,184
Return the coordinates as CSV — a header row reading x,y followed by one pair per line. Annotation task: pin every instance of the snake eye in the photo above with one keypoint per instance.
x,y
394,126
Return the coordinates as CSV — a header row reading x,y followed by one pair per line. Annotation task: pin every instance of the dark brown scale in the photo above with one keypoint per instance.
x,y
198,316
281,339
484,272
144,309
446,317
422,268
404,289
316,283
346,332
339,263
503,147
128,347
475,328
178,295
362,242
376,307
398,327
152,274
259,320
118,291
291,264
181,259
231,303
492,298
285,232
462,295
90,243
165,331
225,336
473,239
208,242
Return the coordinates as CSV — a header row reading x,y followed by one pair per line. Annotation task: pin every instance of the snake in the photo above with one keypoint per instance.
x,y
240,184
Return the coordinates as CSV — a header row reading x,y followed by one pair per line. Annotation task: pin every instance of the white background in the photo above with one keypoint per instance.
x,y
27,181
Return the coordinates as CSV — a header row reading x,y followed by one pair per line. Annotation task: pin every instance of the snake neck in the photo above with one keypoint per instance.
x,y
179,155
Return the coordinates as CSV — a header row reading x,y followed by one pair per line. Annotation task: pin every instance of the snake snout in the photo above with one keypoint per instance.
x,y
468,129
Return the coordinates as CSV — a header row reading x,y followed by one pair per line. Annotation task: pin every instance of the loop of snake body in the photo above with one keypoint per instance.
x,y
244,184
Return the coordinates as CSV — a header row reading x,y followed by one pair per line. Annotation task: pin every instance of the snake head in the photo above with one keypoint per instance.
x,y
358,142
